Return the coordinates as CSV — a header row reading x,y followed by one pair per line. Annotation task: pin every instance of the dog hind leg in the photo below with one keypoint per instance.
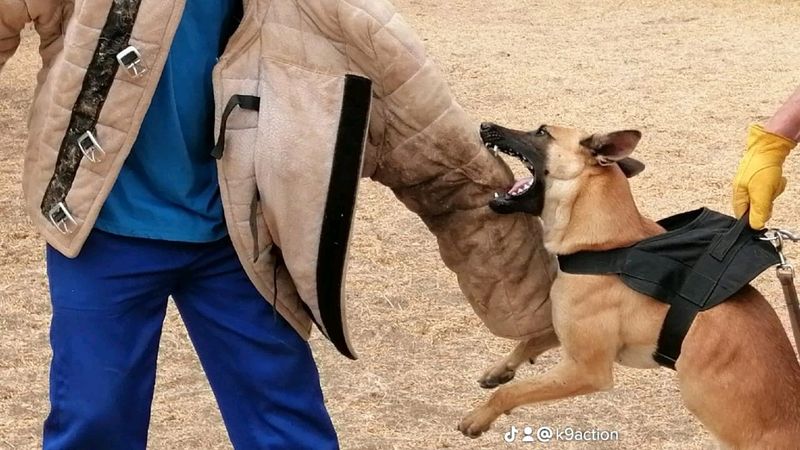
x,y
504,370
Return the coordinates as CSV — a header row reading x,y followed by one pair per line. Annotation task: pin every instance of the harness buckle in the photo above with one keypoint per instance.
x,y
90,148
61,218
131,60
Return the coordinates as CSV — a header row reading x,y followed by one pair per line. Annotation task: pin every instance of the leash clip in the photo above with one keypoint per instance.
x,y
777,237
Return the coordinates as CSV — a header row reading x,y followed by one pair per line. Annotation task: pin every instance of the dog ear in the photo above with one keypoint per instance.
x,y
630,167
612,147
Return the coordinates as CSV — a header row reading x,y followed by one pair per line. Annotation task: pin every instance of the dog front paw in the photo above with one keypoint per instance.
x,y
477,422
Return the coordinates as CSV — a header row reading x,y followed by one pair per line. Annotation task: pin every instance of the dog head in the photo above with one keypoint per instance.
x,y
556,156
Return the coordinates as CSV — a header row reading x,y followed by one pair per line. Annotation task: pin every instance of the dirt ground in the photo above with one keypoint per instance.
x,y
690,74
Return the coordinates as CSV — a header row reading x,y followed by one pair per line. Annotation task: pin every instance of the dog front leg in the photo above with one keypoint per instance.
x,y
504,370
567,379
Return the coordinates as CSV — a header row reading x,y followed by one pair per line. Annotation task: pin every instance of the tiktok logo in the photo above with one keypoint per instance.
x,y
511,435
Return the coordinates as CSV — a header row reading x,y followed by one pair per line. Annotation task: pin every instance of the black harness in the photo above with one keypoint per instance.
x,y
703,258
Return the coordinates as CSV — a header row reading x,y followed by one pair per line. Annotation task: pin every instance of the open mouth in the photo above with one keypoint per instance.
x,y
494,141
527,193
521,186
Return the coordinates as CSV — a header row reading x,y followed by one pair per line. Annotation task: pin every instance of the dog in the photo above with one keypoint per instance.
x,y
737,371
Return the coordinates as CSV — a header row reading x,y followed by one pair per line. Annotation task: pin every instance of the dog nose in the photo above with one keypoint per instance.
x,y
486,126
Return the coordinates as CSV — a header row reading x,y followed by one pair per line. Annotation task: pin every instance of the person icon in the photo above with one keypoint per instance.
x,y
528,434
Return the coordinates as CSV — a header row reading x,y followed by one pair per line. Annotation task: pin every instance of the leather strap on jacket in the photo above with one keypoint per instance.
x,y
97,83
340,206
248,102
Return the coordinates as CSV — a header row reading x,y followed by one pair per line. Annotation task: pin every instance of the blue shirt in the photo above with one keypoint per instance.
x,y
168,187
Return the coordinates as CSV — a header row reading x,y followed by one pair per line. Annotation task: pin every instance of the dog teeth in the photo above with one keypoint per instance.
x,y
496,195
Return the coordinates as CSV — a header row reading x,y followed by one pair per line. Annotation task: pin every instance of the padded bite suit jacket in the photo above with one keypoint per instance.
x,y
315,94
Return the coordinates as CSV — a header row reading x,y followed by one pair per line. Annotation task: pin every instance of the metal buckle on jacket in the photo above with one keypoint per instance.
x,y
90,148
131,60
61,218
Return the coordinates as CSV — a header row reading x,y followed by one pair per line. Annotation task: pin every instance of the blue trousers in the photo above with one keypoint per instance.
x,y
108,309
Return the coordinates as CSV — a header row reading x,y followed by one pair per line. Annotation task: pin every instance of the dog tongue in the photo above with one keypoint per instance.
x,y
519,183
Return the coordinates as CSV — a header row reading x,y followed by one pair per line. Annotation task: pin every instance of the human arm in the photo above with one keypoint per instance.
x,y
786,121
759,179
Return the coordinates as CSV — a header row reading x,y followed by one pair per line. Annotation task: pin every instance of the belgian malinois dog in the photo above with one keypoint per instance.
x,y
737,371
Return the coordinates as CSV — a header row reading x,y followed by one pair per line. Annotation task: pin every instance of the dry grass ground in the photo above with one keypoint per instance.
x,y
691,74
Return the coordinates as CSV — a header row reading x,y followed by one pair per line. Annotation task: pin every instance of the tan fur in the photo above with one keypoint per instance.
x,y
737,371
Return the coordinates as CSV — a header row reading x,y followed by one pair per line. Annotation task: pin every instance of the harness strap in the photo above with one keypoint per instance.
x,y
673,331
688,283
728,240
680,315
654,275
248,102
610,261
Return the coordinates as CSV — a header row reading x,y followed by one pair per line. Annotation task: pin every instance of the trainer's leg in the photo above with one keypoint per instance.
x,y
261,371
108,309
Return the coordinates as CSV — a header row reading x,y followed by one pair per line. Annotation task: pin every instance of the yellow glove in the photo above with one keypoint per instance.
x,y
759,179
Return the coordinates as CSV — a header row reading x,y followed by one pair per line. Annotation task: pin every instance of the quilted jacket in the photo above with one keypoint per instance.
x,y
311,95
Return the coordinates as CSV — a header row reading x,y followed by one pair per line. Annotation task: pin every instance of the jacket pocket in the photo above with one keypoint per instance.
x,y
309,154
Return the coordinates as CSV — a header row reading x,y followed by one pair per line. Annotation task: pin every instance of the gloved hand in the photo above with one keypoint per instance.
x,y
759,179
